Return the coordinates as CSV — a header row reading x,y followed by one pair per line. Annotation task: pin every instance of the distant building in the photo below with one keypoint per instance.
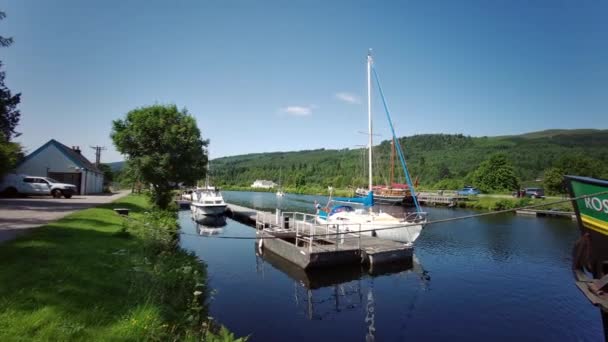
x,y
263,184
64,164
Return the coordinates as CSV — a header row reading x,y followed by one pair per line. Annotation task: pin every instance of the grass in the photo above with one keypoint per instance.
x,y
95,275
497,203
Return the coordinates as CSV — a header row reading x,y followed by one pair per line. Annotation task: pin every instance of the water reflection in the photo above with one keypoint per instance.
x,y
346,292
210,225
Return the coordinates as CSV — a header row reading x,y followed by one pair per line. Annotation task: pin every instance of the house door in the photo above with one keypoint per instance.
x,y
68,178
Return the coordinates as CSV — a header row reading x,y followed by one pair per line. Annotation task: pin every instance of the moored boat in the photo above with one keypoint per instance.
x,y
392,193
590,254
207,201
366,220
395,194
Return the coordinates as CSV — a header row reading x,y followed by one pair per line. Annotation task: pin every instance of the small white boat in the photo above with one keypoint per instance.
x,y
207,201
280,193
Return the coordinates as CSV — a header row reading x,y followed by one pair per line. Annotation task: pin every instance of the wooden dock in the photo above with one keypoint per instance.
x,y
433,198
298,239
246,215
554,213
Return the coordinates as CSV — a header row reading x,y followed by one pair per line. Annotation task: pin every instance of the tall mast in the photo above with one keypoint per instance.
x,y
207,173
369,113
392,163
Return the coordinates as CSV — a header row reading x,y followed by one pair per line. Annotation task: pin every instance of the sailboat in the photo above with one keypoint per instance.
x,y
380,224
392,193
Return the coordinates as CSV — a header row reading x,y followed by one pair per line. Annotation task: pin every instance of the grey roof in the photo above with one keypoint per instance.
x,y
76,157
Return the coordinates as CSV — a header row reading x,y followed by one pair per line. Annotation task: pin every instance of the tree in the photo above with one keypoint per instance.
x,y
164,146
10,152
580,165
108,174
553,180
444,171
495,174
4,42
9,114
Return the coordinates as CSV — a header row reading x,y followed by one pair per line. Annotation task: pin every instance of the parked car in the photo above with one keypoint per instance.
x,y
530,192
468,191
534,192
15,184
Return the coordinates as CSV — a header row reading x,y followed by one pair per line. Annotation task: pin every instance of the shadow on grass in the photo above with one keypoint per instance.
x,y
68,270
133,207
85,278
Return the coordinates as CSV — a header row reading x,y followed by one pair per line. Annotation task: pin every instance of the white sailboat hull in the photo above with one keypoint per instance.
x,y
401,231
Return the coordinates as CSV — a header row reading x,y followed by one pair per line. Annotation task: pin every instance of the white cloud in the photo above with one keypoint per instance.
x,y
348,98
298,110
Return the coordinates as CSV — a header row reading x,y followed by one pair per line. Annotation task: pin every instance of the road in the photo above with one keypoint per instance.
x,y
19,215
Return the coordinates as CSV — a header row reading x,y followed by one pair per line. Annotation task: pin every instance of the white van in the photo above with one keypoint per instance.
x,y
15,184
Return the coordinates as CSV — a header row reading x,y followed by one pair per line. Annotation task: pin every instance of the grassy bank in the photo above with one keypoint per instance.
x,y
496,203
95,275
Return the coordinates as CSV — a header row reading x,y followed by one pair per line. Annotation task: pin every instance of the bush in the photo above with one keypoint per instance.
x,y
176,280
449,184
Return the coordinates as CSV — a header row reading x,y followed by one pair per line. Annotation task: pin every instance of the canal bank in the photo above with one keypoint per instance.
x,y
503,277
490,202
96,275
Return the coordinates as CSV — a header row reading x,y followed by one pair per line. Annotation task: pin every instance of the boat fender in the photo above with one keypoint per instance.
x,y
261,244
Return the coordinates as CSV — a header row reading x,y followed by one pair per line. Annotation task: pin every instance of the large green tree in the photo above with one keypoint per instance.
x,y
578,165
495,174
165,147
108,174
553,180
10,152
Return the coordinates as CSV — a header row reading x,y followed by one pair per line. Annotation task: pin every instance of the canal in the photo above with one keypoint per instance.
x,y
500,277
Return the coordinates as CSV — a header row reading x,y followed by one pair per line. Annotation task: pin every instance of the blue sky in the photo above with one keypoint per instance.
x,y
287,75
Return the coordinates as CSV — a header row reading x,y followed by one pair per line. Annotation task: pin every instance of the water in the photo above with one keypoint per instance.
x,y
497,278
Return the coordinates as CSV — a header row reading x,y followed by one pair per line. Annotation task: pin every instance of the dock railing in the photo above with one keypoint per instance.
x,y
307,230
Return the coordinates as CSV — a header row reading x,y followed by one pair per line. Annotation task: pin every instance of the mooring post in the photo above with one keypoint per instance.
x,y
278,217
605,321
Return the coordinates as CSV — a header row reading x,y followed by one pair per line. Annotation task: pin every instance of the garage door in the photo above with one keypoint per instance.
x,y
69,178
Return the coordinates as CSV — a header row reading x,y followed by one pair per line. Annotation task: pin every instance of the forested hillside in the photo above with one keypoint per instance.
x,y
437,160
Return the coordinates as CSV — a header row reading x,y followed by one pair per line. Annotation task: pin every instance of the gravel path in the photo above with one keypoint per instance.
x,y
19,215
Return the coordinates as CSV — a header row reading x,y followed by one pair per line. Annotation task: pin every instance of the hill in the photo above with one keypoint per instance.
x,y
550,133
431,158
116,166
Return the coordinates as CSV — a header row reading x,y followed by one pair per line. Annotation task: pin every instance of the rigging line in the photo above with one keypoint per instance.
x,y
399,150
451,219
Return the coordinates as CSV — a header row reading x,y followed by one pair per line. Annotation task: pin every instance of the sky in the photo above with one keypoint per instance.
x,y
263,76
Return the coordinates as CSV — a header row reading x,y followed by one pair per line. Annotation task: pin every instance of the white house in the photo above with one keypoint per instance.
x,y
67,165
263,184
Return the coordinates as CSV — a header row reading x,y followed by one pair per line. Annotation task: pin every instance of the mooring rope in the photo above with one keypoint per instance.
x,y
447,220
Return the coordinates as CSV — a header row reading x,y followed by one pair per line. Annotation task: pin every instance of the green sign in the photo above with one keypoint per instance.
x,y
593,209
